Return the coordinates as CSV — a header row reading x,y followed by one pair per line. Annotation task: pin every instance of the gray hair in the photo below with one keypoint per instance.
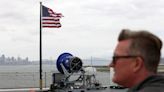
x,y
145,44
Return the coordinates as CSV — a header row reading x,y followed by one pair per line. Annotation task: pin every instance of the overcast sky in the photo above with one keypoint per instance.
x,y
89,27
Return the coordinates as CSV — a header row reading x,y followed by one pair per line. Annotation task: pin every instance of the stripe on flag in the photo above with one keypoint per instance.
x,y
50,18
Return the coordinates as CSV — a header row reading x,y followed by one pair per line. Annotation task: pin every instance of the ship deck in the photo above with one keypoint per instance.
x,y
108,89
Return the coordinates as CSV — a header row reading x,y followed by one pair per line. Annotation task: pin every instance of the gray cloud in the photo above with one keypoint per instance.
x,y
89,27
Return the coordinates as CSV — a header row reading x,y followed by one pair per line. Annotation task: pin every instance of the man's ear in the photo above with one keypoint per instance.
x,y
138,64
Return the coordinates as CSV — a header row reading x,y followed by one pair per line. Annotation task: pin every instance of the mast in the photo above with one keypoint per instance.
x,y
40,53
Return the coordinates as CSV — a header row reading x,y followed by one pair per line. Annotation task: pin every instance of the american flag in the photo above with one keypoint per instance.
x,y
50,18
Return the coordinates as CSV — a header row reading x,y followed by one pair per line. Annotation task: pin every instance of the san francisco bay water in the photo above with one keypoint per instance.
x,y
27,76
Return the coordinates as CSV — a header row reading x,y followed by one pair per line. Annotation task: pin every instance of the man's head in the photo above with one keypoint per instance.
x,y
137,54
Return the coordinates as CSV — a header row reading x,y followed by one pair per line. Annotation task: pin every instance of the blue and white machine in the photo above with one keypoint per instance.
x,y
67,63
71,67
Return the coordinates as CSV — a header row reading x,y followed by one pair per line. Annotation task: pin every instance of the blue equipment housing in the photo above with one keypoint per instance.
x,y
71,63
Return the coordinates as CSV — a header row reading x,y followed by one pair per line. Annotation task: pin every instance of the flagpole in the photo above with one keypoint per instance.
x,y
40,46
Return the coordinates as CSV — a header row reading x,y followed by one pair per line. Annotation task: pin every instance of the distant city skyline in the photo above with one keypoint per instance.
x,y
7,60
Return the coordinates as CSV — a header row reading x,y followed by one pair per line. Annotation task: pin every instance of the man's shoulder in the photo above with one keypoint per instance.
x,y
153,83
152,89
